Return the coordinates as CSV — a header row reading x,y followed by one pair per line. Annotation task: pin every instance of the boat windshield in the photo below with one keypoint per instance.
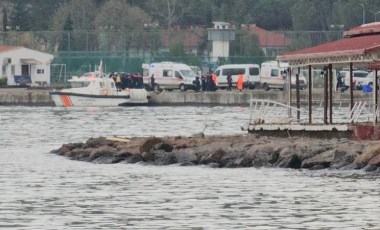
x,y
187,73
79,84
92,74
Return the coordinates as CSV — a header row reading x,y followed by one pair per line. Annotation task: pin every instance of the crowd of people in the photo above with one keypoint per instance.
x,y
207,82
127,80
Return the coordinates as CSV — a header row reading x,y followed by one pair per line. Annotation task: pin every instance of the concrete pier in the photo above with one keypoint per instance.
x,y
25,97
41,97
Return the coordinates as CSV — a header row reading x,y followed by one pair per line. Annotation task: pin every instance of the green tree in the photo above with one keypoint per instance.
x,y
273,14
245,47
168,11
122,25
41,12
66,39
5,20
21,16
177,49
313,14
68,26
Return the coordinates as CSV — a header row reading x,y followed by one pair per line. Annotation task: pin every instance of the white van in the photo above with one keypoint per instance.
x,y
251,74
273,75
169,75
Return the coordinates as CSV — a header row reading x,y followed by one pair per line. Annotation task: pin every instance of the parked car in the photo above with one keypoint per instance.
x,y
359,78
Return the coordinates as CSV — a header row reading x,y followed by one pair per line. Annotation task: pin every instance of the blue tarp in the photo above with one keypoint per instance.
x,y
366,88
23,80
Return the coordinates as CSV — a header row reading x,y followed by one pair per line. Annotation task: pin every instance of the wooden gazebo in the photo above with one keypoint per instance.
x,y
359,47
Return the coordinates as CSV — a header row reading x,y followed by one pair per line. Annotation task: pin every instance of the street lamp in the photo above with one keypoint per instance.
x,y
375,13
363,12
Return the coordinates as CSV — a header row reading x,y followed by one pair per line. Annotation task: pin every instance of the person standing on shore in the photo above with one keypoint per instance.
x,y
197,84
203,80
229,81
215,80
152,82
239,83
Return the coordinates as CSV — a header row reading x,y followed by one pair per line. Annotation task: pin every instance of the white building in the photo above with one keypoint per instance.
x,y
221,35
22,65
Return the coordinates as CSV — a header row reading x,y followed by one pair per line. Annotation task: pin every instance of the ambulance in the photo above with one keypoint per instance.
x,y
169,76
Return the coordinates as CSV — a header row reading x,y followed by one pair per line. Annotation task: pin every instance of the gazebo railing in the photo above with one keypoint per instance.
x,y
272,112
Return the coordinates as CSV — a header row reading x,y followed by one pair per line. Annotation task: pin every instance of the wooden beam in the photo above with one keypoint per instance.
x,y
325,94
298,93
331,93
351,88
310,96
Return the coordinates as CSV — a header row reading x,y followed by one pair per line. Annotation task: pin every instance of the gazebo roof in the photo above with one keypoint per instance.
x,y
360,46
365,29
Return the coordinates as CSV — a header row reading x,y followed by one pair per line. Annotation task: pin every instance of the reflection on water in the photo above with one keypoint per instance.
x,y
44,191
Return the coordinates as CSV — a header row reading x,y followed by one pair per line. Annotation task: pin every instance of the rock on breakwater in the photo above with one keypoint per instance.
x,y
229,151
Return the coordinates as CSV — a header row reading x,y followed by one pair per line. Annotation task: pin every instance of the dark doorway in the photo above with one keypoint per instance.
x,y
25,70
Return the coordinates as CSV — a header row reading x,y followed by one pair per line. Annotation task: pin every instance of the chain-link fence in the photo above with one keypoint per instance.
x,y
124,51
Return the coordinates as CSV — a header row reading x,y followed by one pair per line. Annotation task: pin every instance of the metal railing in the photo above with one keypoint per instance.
x,y
272,112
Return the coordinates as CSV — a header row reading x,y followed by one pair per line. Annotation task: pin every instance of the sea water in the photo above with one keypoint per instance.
x,y
40,190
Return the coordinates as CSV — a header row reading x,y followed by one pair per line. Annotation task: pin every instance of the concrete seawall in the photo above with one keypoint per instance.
x,y
243,98
41,97
26,97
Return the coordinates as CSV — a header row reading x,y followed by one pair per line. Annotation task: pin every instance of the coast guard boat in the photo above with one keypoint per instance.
x,y
95,89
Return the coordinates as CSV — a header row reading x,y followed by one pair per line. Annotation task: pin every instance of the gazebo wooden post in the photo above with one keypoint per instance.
x,y
351,88
298,93
376,96
331,93
325,94
310,96
289,91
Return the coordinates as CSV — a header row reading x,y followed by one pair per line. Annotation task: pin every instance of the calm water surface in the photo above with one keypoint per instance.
x,y
39,190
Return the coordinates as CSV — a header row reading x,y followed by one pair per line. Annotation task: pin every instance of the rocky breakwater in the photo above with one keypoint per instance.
x,y
229,151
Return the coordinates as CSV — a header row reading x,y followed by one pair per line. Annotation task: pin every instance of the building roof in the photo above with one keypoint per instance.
x,y
357,47
4,48
221,23
268,38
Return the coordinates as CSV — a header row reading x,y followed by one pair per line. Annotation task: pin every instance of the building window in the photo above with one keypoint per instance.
x,y
13,70
40,71
4,70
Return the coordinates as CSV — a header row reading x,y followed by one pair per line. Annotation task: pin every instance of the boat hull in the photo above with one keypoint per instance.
x,y
66,99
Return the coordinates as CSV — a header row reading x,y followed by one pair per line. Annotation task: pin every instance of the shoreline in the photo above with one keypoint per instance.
x,y
41,97
229,152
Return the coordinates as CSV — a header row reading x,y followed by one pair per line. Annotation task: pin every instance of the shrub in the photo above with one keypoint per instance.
x,y
3,81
